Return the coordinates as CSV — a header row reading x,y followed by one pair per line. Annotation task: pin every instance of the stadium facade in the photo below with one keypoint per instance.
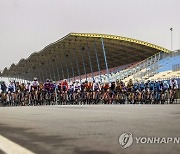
x,y
79,55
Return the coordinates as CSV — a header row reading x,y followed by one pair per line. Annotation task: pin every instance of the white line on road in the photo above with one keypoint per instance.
x,y
10,147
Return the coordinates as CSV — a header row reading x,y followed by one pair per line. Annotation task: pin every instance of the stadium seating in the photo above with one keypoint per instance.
x,y
158,66
167,63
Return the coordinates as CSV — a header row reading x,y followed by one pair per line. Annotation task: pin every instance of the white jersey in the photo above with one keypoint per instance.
x,y
28,87
34,84
96,86
11,87
174,84
77,86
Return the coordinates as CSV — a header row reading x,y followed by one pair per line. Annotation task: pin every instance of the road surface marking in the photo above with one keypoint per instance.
x,y
10,147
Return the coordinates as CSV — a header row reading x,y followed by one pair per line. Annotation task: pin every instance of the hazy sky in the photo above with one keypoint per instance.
x,y
27,26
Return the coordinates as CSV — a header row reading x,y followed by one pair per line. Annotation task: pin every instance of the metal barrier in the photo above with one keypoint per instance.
x,y
177,93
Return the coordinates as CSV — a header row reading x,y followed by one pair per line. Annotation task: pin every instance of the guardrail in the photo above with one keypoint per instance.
x,y
137,67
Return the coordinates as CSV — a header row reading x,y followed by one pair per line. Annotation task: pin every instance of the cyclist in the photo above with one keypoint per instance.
x,y
106,93
130,91
3,87
165,85
18,87
118,86
77,89
112,93
23,87
96,87
28,85
173,87
52,86
34,88
11,92
157,89
64,85
47,86
11,87
173,84
34,85
165,88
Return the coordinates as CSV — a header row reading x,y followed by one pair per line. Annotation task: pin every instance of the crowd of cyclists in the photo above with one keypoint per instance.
x,y
64,93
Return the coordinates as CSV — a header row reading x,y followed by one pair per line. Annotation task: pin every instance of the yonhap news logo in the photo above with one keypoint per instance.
x,y
126,140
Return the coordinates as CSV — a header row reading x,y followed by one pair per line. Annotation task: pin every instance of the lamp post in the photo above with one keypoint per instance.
x,y
171,29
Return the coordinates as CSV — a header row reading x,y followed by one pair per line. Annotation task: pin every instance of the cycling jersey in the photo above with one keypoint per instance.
x,y
22,88
173,84
112,87
64,86
157,86
165,85
18,87
96,86
129,86
34,85
118,86
88,86
3,87
135,86
11,87
47,86
71,89
77,87
82,87
142,86
151,86
52,87
106,87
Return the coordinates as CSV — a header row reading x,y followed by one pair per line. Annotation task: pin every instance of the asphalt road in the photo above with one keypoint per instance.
x,y
92,129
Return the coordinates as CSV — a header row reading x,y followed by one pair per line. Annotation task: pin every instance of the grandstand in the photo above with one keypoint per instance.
x,y
166,66
79,56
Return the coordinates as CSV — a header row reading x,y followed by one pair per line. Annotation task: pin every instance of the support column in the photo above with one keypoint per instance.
x,y
90,63
75,53
50,75
66,66
53,70
72,65
105,59
57,69
62,69
45,70
97,59
41,70
39,74
82,56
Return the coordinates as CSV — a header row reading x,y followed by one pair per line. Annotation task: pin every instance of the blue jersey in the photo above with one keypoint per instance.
x,y
157,86
135,86
142,86
151,86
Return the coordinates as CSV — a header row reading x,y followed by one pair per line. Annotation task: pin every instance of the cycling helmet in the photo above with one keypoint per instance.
x,y
47,80
35,79
165,82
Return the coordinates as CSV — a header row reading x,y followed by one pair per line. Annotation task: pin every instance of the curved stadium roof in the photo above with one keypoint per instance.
x,y
79,53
